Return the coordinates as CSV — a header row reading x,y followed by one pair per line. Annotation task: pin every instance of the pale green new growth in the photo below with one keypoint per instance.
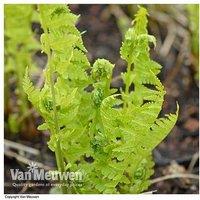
x,y
107,136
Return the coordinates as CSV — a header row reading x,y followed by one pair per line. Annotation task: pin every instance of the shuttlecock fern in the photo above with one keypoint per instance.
x,y
109,137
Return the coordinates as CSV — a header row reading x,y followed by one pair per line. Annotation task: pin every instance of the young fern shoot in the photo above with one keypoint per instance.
x,y
109,137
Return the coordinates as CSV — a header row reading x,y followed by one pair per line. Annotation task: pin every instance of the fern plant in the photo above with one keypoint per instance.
x,y
108,136
20,45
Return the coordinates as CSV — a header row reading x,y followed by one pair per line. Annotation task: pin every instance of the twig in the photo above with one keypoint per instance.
x,y
172,176
169,40
24,188
14,145
193,162
24,160
175,70
150,192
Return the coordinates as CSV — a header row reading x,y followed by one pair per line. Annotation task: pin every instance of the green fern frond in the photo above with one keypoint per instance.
x,y
161,128
30,90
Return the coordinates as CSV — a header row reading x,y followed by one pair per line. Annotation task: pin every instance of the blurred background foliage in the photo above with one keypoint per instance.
x,y
20,45
176,28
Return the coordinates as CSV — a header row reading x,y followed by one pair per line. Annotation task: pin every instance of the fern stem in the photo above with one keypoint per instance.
x,y
58,152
